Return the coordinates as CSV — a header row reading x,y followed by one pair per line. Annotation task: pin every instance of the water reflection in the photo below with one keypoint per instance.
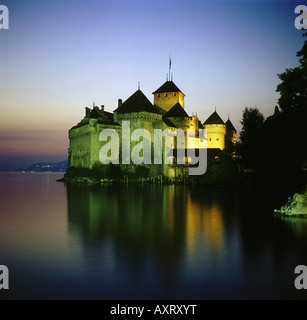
x,y
298,225
205,222
182,242
145,218
138,220
161,229
145,242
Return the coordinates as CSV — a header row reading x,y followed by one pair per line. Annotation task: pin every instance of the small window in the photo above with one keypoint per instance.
x,y
158,95
175,94
166,94
210,139
217,139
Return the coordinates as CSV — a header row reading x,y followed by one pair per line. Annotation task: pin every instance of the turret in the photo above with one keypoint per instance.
x,y
216,131
231,133
167,96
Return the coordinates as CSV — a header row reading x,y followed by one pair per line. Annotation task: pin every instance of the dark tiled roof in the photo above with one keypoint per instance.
x,y
136,103
86,122
200,126
103,117
229,126
168,86
176,112
95,113
214,119
169,123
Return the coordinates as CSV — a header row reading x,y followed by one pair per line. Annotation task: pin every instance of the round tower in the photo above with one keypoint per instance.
x,y
230,138
231,133
216,131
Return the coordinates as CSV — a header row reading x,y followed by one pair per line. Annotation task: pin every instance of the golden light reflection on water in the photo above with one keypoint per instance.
x,y
167,215
143,241
169,211
204,224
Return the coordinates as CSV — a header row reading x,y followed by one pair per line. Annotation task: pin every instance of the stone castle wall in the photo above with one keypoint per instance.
x,y
165,101
216,136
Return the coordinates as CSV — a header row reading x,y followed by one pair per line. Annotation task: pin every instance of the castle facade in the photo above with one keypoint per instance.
x,y
166,112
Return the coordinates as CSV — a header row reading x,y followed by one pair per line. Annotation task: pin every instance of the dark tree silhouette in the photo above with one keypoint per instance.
x,y
284,134
293,86
252,121
249,146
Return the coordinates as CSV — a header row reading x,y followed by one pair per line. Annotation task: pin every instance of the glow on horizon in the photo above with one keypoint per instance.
x,y
59,56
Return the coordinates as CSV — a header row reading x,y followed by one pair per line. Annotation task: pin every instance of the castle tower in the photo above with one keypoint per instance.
x,y
216,131
231,133
230,138
167,96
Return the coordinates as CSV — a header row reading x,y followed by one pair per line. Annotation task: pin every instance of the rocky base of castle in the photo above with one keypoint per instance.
x,y
94,181
84,180
295,207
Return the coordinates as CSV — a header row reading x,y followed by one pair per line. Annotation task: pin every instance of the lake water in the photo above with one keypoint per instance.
x,y
145,241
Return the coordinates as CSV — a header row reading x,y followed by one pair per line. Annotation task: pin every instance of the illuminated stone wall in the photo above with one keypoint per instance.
x,y
85,145
216,136
80,147
96,145
150,122
165,101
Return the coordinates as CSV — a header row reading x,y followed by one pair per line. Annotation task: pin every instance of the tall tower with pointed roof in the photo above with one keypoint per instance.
x,y
230,138
216,131
167,96
231,132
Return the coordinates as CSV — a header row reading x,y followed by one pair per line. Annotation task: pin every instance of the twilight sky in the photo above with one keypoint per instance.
x,y
58,56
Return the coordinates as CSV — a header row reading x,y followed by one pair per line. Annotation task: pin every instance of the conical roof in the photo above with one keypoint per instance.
x,y
176,112
229,126
136,103
214,119
168,86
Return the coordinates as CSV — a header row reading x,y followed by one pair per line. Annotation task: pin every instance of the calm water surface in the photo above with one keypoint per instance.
x,y
145,242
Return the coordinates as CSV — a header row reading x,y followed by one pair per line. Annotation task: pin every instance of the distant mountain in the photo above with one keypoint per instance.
x,y
43,167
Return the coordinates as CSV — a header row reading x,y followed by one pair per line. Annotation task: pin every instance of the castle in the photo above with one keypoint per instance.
x,y
166,112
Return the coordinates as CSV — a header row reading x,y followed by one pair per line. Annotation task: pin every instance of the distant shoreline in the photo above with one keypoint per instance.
x,y
60,166
11,171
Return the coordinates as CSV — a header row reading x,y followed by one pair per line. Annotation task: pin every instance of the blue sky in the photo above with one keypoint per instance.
x,y
59,56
